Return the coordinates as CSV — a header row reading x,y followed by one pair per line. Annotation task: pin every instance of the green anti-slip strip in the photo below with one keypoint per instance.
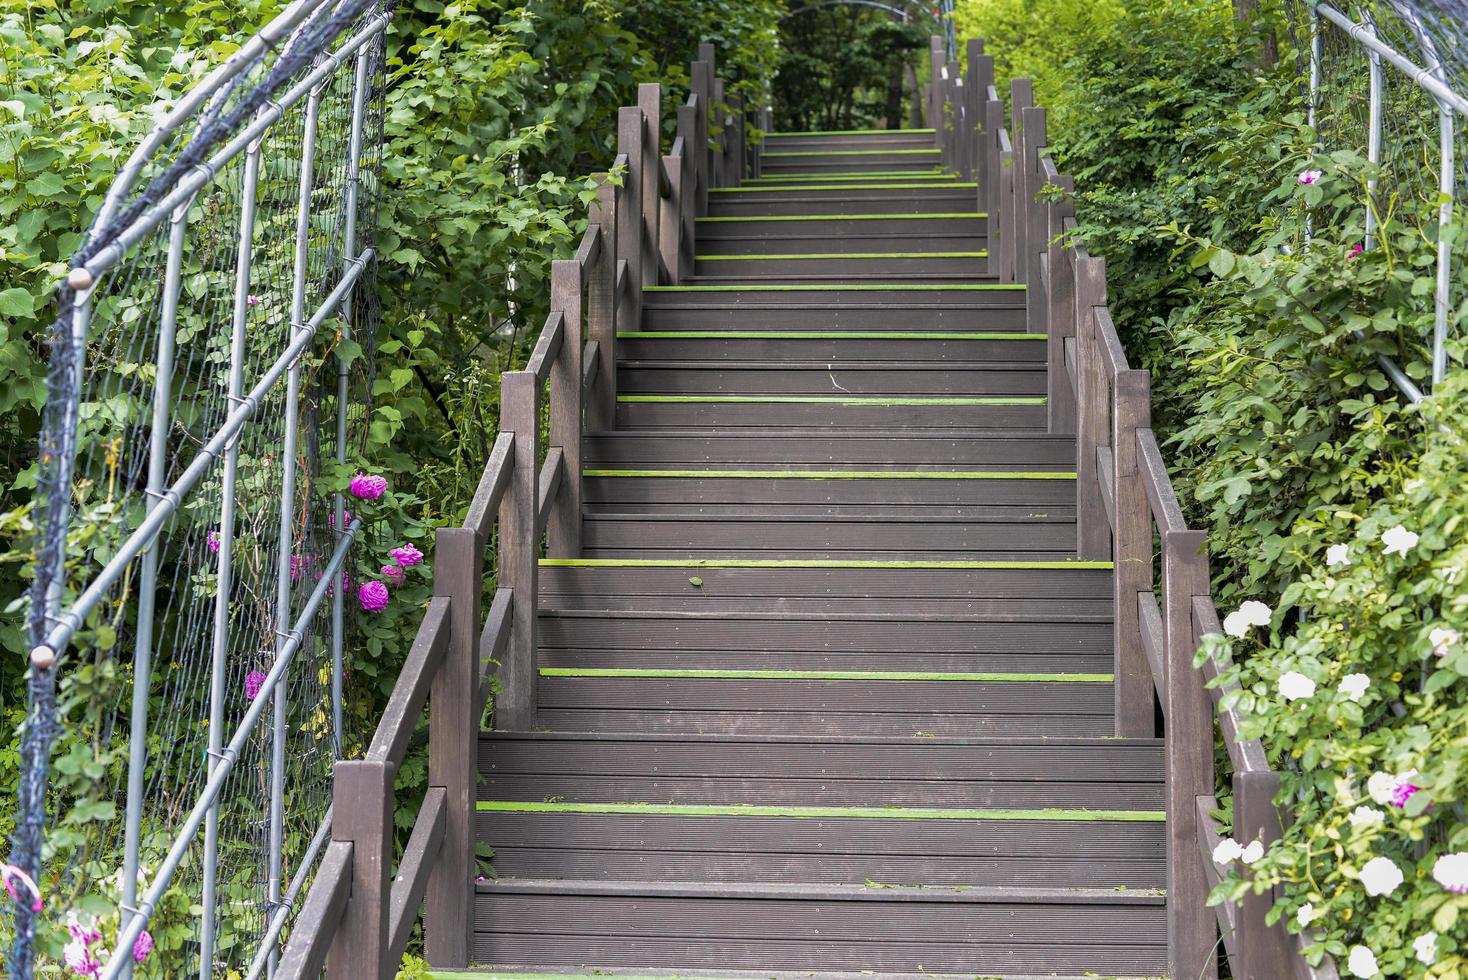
x,y
1040,566
851,132
846,401
931,172
796,256
833,474
925,152
817,335
823,675
995,287
739,219
826,812
841,187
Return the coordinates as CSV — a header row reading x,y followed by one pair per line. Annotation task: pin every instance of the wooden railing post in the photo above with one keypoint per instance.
x,y
514,708
1006,216
650,101
631,235
1060,314
702,82
1021,97
976,94
1192,928
935,95
688,188
361,812
670,219
563,528
453,734
1132,553
1263,950
601,310
1034,215
1093,535
719,118
990,189
734,141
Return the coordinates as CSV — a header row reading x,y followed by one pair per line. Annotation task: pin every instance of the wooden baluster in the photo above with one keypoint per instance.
x,y
630,233
935,94
1006,215
1132,548
991,192
1192,927
453,718
563,527
1060,314
1264,950
702,84
601,309
976,88
688,185
361,812
1093,535
1035,216
670,221
1021,97
719,117
734,140
650,101
514,707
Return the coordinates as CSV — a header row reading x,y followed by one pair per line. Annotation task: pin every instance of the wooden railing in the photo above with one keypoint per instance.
x,y
1127,512
359,913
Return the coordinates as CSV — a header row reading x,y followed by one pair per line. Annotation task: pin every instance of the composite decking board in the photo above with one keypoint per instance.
x,y
834,379
816,200
1029,644
805,317
773,696
972,271
824,722
845,350
896,450
760,416
761,248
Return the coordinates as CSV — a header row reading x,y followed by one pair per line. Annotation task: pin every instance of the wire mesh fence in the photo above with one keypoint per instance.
x,y
190,607
1387,83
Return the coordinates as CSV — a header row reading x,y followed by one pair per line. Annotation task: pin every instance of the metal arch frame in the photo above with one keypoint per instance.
x,y
905,14
1433,81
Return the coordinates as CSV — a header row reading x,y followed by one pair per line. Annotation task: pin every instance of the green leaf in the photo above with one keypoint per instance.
x,y
16,301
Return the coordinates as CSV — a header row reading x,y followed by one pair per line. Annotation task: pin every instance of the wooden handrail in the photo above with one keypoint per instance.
x,y
358,915
1124,497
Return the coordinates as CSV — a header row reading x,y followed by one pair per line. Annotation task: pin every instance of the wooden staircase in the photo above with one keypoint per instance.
x,y
827,692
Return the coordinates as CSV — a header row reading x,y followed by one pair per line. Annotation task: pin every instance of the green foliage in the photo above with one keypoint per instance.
x,y
1036,39
842,67
1392,611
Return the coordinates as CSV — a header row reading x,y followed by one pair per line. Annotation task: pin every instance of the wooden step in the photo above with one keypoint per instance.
x,y
893,196
885,160
890,491
836,230
922,308
766,926
836,377
832,346
850,140
868,267
850,239
1083,775
853,641
817,448
769,411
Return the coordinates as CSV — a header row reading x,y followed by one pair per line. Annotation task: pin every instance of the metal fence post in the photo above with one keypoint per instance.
x,y
453,730
1192,928
361,813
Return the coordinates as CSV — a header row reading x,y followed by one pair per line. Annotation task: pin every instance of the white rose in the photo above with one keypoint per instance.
x,y
1294,685
1451,871
1305,914
1399,540
1381,786
1227,852
1442,638
1252,853
1251,613
1425,946
1353,686
1337,554
1380,876
1366,816
1362,963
